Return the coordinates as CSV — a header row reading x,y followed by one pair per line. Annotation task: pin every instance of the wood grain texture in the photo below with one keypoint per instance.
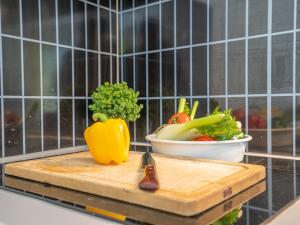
x,y
140,213
187,186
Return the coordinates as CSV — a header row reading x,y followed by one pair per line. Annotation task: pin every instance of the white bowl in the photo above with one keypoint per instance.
x,y
231,150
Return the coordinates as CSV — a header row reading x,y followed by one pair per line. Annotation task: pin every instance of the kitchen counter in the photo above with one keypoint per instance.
x,y
282,187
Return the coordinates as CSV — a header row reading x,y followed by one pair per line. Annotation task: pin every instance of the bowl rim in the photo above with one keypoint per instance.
x,y
152,138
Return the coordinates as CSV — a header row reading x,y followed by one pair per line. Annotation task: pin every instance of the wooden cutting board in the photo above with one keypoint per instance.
x,y
187,186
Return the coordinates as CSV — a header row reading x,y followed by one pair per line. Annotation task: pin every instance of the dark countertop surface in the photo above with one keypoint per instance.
x,y
282,186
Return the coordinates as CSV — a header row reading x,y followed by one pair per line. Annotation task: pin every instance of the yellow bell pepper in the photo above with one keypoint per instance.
x,y
109,140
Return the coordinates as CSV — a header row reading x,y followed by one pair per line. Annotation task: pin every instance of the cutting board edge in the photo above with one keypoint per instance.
x,y
187,206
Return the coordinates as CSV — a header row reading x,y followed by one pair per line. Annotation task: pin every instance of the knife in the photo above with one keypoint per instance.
x,y
150,181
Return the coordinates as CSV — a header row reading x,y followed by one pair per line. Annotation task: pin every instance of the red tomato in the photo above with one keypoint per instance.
x,y
203,138
179,118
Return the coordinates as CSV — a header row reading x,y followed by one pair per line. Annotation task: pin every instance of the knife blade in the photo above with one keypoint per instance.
x,y
150,180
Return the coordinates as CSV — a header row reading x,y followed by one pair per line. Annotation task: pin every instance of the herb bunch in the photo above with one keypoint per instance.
x,y
116,101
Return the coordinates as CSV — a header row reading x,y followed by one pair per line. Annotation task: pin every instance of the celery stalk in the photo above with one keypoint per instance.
x,y
178,131
181,105
194,109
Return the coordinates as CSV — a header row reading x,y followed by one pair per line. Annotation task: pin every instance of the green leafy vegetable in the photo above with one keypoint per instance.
x,y
229,219
187,109
185,131
116,101
228,128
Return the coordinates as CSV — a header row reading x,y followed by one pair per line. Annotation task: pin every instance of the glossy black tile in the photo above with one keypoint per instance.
x,y
138,2
236,18
182,22
282,63
114,32
104,30
104,3
49,71
92,27
141,124
216,102
202,108
282,117
11,60
140,74
298,14
199,21
80,121
183,72
257,66
168,109
236,67
48,20
32,77
13,127
79,73
153,27
92,72
64,22
282,15
79,23
168,73
152,1
153,75
30,18
217,69
33,137
127,32
257,124
10,17
298,126
128,70
217,20
50,121
199,63
237,105
114,77
93,1
167,24
66,125
258,17
126,4
65,72
154,115
105,68
113,4
140,30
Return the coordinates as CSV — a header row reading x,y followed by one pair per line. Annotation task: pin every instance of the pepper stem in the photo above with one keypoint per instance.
x,y
99,116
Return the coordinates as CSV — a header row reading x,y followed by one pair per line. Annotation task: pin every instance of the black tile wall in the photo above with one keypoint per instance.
x,y
199,21
236,18
153,75
182,22
282,15
298,62
153,27
258,17
140,30
168,73
52,58
217,20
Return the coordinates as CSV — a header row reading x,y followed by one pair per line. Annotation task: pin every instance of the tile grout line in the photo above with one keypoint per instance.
x,y
246,67
207,57
98,6
160,66
133,64
294,98
269,106
144,6
41,75
209,43
56,44
57,74
99,43
117,40
2,92
110,43
73,74
191,49
226,54
86,69
147,72
175,55
22,77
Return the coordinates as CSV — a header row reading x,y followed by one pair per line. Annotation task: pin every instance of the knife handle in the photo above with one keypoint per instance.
x,y
150,181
